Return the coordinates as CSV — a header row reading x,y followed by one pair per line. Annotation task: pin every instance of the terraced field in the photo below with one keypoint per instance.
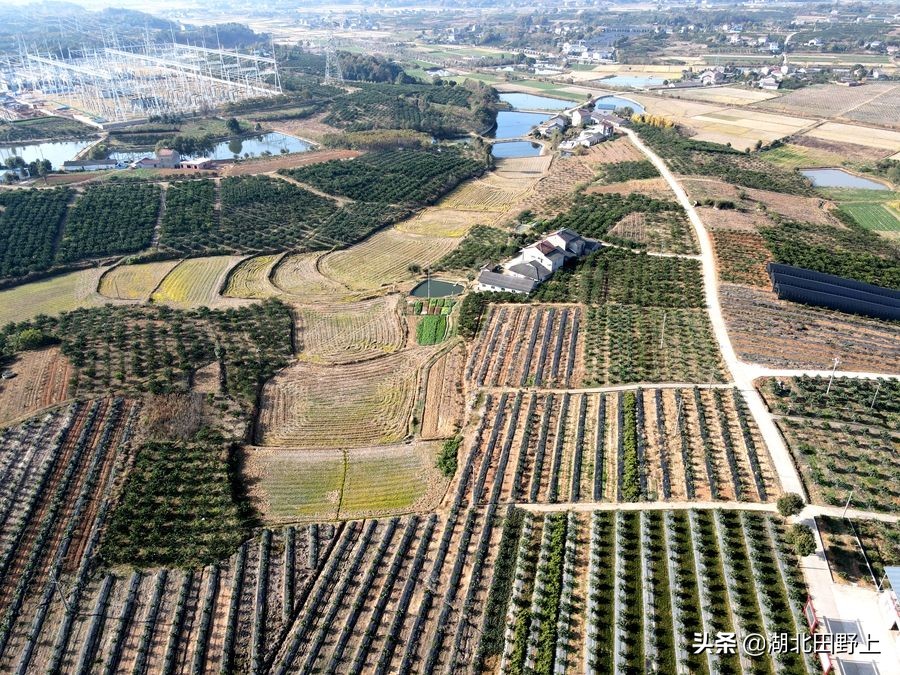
x,y
384,259
342,333
195,282
297,274
358,404
52,296
134,282
250,279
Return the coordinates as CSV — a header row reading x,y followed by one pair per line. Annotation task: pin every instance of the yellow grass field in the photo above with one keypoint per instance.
x,y
52,296
250,279
195,282
134,282
438,222
881,139
384,259
359,404
292,485
338,333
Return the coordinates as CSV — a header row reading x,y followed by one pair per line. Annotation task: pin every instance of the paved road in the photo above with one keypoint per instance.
x,y
742,374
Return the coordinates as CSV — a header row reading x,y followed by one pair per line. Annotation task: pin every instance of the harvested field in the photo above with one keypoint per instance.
x,y
871,103
732,220
384,259
250,278
42,380
572,447
298,274
134,282
847,151
528,346
552,194
439,222
519,167
52,296
195,282
360,404
742,127
343,333
741,257
487,194
291,161
888,142
721,95
793,207
782,334
444,399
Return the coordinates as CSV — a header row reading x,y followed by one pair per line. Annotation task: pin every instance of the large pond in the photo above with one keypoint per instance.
x,y
274,143
435,288
522,101
616,102
634,81
515,149
515,124
838,178
57,152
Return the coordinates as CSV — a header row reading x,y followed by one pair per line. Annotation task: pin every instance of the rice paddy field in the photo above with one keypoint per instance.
x,y
384,259
52,296
195,282
134,282
297,274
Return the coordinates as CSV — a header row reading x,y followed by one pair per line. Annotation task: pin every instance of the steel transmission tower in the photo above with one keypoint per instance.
x,y
333,74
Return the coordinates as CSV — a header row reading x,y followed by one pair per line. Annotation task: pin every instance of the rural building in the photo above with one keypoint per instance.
x,y
535,263
555,123
164,159
89,164
581,116
769,83
197,164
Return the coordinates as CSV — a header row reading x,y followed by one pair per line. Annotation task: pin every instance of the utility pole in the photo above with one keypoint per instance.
x,y
831,379
877,389
847,505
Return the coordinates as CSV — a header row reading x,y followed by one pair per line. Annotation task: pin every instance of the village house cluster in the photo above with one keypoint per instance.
x,y
535,263
596,126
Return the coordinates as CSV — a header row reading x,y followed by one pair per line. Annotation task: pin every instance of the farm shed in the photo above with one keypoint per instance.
x,y
827,290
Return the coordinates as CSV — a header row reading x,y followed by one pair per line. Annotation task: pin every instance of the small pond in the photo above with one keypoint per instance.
x,y
838,178
515,149
254,146
635,81
435,288
523,101
616,102
514,124
57,152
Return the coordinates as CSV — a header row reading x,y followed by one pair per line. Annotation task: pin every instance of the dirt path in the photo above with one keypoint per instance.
x,y
341,201
742,374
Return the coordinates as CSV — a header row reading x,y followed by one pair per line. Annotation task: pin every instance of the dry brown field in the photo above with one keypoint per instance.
x,y
41,380
783,334
444,398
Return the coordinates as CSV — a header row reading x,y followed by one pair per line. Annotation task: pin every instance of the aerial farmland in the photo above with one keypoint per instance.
x,y
439,357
